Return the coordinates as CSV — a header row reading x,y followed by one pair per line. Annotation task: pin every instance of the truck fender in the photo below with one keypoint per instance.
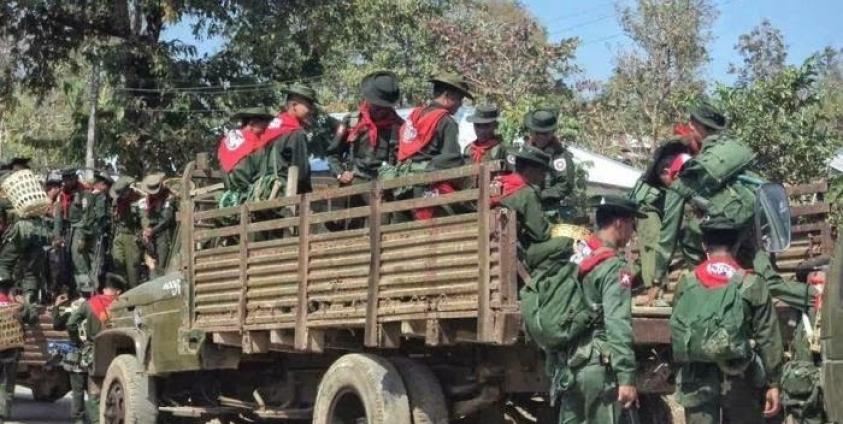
x,y
116,341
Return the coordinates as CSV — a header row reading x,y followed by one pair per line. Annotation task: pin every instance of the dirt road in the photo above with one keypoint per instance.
x,y
27,411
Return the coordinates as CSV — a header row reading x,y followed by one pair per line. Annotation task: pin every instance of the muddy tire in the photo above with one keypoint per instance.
x,y
127,396
427,402
361,388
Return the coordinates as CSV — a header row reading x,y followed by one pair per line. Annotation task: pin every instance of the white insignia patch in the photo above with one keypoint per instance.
x,y
720,269
581,251
234,139
510,159
560,164
142,203
431,193
409,132
275,123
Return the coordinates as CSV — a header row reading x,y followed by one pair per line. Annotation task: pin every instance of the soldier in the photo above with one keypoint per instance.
x,y
368,137
9,357
23,248
237,148
125,249
98,225
488,145
83,324
158,220
597,375
740,388
438,163
562,187
69,218
286,144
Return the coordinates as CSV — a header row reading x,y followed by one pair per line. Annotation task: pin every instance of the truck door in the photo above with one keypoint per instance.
x,y
831,324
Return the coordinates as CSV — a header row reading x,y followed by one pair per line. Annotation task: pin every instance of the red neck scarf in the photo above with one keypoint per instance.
x,y
478,148
236,145
100,304
599,253
283,124
373,127
5,300
510,183
442,187
677,164
65,198
716,272
687,133
417,131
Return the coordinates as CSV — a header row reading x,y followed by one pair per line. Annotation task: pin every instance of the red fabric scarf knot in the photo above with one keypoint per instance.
x,y
371,126
677,164
236,145
418,130
283,124
510,183
100,304
65,198
478,148
716,273
686,132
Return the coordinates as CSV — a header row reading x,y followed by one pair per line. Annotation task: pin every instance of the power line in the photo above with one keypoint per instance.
x,y
221,88
586,12
583,24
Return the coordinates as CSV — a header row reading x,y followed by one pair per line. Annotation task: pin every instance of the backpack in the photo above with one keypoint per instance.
x,y
554,307
709,325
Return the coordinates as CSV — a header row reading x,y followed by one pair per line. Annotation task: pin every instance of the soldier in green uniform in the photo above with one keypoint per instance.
x,y
237,153
488,145
23,248
9,357
98,225
70,228
83,323
597,374
368,138
125,247
563,190
286,143
158,220
63,214
741,390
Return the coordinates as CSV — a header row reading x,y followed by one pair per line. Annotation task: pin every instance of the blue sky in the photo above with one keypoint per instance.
x,y
808,26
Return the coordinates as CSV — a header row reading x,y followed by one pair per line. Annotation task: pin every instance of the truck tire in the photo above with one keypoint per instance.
x,y
427,402
127,395
361,388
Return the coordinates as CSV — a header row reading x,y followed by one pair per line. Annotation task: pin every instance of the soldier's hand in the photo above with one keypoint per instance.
x,y
147,234
58,242
628,396
61,299
771,402
346,177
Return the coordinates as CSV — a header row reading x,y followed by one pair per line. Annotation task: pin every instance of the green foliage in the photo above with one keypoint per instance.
x,y
763,51
784,120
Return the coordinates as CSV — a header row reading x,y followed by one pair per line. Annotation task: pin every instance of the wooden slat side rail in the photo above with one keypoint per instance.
x,y
436,176
274,203
337,192
444,199
371,336
484,319
244,263
302,335
812,209
216,213
803,189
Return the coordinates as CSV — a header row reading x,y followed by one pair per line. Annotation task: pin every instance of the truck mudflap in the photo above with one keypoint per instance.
x,y
112,342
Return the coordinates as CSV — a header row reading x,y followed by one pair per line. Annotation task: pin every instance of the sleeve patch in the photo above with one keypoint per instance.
x,y
625,278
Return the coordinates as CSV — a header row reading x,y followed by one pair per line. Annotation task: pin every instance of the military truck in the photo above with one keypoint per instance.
x,y
37,370
264,314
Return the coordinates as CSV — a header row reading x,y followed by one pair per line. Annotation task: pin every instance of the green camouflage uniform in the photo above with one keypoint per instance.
x,y
496,153
98,225
9,365
72,229
161,219
72,362
284,152
705,391
24,246
359,156
563,193
589,374
125,249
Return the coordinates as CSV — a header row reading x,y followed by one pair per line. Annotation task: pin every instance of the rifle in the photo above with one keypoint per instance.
x,y
99,262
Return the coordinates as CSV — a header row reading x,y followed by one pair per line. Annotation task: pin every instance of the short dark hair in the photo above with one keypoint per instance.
x,y
719,239
297,97
604,217
664,163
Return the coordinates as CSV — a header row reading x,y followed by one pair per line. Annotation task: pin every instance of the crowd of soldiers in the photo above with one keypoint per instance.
x,y
94,238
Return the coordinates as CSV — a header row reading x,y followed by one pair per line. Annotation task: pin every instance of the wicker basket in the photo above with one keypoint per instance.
x,y
25,193
11,329
571,231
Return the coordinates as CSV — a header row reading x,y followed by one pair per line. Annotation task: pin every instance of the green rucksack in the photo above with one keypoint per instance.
x,y
709,325
554,307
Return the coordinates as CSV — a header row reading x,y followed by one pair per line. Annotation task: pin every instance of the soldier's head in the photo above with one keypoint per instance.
x,y
531,163
113,284
52,185
102,182
707,120
18,163
669,167
485,120
719,235
69,179
153,185
301,101
254,119
615,218
381,91
449,90
542,124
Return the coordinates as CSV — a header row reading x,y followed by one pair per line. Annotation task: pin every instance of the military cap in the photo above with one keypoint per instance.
x,y
446,161
260,112
302,90
114,281
20,161
542,120
669,148
709,116
69,173
102,176
531,155
123,183
616,203
718,223
381,88
484,114
151,183
454,81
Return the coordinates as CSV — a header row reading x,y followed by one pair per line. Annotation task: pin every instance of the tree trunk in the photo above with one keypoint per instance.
x,y
94,85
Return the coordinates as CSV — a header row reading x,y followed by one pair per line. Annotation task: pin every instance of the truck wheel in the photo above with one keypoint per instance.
x,y
361,388
126,396
427,403
654,409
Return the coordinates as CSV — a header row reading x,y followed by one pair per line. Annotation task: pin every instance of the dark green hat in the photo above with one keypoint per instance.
x,y
381,88
68,173
669,148
484,114
709,116
302,90
253,113
718,223
454,81
114,281
616,203
531,155
103,177
541,120
121,185
446,161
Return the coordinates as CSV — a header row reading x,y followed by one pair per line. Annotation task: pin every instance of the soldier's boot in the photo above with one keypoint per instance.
x,y
92,409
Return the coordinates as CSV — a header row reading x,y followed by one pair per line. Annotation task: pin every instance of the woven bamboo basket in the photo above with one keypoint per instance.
x,y
571,231
11,329
25,193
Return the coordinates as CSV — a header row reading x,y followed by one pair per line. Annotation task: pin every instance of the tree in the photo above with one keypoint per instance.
x,y
763,52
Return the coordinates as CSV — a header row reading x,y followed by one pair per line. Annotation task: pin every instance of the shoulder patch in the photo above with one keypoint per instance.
x,y
560,164
625,278
234,139
510,159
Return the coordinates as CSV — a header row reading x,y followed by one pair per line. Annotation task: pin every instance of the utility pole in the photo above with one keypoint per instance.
x,y
94,85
